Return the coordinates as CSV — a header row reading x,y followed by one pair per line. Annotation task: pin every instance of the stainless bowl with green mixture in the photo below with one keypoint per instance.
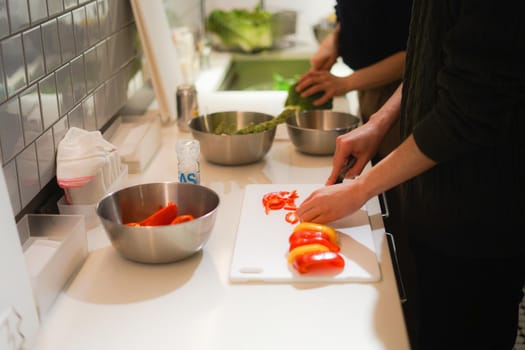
x,y
219,142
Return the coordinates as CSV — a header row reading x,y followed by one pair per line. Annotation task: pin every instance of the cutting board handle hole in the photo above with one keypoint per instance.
x,y
251,270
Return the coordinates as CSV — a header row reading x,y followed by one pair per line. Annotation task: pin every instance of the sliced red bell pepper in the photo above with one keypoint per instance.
x,y
182,218
314,240
318,261
163,216
312,226
307,234
308,248
291,217
279,200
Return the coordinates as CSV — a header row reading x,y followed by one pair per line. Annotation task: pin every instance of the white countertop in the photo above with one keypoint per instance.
x,y
116,304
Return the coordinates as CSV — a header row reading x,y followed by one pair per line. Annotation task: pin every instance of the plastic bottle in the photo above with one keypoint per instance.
x,y
188,151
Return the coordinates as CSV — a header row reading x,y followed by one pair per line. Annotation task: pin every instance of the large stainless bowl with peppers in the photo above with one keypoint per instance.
x,y
159,222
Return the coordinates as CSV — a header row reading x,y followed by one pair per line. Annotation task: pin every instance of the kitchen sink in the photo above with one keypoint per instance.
x,y
263,72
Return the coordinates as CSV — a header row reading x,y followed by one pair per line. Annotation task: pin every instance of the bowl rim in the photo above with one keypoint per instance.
x,y
352,126
203,116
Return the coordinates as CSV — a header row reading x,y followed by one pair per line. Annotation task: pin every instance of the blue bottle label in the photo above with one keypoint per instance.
x,y
193,178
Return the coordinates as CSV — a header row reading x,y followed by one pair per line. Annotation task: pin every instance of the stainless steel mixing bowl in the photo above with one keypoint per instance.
x,y
232,149
158,244
315,131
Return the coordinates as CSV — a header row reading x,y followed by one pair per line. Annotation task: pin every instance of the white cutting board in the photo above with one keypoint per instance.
x,y
261,244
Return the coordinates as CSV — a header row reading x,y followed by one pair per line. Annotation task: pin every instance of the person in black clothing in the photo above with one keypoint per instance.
x,y
461,166
370,38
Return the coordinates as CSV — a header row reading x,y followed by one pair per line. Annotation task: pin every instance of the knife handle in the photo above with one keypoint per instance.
x,y
350,161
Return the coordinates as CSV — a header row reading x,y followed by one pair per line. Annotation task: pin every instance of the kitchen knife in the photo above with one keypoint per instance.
x,y
350,161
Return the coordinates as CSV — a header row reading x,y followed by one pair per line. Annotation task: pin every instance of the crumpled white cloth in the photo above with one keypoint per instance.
x,y
87,165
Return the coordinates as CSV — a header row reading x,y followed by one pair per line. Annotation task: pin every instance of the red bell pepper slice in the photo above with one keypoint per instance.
x,y
314,240
279,200
164,216
182,218
318,261
308,234
291,217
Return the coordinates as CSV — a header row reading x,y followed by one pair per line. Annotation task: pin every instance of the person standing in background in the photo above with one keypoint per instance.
x,y
370,37
461,165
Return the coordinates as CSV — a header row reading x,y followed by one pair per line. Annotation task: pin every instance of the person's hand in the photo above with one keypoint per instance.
x,y
362,143
316,81
330,203
333,202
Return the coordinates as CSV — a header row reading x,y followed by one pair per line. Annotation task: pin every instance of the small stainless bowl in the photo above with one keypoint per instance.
x,y
232,149
315,131
158,244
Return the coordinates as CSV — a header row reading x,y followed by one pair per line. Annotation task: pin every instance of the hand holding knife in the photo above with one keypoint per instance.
x,y
350,161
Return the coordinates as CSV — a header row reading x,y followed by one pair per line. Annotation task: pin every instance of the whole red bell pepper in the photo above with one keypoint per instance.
x,y
163,216
318,261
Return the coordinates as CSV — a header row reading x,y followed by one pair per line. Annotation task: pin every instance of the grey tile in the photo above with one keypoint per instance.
x,y
3,87
119,14
64,89
80,27
88,110
13,58
103,65
51,45
78,75
113,54
76,117
28,179
34,54
100,106
11,179
4,22
83,1
55,7
18,14
59,131
70,3
92,23
48,100
112,96
30,112
11,133
45,153
67,37
103,17
37,10
92,69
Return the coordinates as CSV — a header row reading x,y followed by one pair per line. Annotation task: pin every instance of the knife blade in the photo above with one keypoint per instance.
x,y
350,161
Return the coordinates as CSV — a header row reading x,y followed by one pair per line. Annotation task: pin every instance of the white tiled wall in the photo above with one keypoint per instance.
x,y
63,63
